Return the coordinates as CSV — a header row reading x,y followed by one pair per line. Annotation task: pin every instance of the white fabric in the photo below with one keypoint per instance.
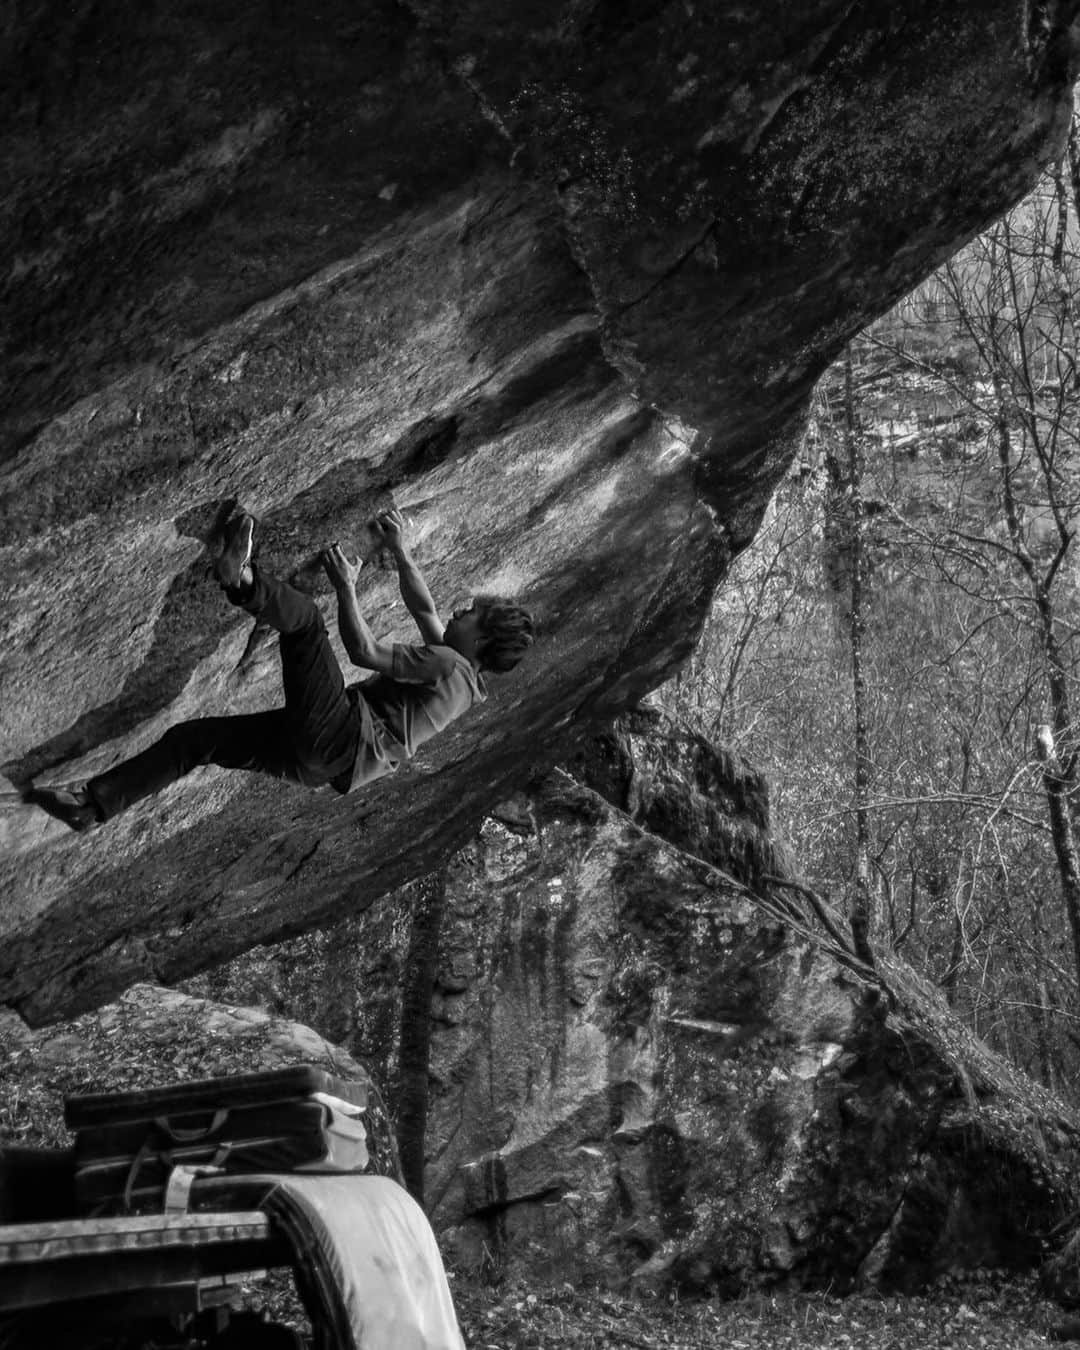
x,y
178,1187
338,1103
346,1144
394,1282
376,1242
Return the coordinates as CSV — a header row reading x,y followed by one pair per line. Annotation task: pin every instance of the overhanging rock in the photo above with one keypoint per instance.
x,y
556,281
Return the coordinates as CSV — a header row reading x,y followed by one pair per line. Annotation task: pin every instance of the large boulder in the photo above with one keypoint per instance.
x,y
556,280
649,1064
646,1067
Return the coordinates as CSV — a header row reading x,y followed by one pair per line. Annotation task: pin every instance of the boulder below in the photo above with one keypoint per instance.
x,y
648,1065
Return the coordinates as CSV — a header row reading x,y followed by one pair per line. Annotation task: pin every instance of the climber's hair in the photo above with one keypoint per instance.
x,y
505,632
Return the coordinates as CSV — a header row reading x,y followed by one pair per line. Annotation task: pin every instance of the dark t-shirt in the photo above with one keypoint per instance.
x,y
430,687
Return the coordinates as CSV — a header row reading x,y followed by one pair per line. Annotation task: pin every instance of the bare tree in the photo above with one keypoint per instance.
x,y
933,515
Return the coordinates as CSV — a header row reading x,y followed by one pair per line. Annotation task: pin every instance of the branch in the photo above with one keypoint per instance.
x,y
830,921
984,801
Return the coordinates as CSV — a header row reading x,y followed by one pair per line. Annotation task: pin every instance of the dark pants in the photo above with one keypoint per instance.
x,y
311,740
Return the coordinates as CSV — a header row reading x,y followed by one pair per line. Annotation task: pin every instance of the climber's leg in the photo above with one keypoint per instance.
x,y
320,719
311,740
257,742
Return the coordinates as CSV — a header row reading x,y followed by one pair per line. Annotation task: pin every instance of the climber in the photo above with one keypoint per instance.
x,y
326,733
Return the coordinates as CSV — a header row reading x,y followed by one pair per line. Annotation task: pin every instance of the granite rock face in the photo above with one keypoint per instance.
x,y
556,281
648,1065
640,1072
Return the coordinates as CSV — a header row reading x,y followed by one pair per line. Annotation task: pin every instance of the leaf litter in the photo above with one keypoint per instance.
x,y
978,1311
981,1310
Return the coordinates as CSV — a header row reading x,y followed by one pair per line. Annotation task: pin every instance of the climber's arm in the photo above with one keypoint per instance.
x,y
363,648
414,589
359,641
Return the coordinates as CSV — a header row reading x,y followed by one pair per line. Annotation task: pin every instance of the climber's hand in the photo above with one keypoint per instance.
x,y
340,568
389,528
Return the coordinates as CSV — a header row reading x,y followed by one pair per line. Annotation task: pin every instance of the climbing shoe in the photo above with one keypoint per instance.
x,y
71,805
236,552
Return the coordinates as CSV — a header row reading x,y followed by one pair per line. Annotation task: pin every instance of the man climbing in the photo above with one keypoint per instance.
x,y
326,733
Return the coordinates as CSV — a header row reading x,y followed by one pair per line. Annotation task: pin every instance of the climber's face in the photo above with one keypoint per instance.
x,y
463,630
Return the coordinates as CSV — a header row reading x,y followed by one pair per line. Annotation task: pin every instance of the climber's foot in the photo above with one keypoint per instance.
x,y
233,567
71,805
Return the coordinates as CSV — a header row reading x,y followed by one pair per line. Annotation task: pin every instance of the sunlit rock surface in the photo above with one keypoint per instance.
x,y
556,281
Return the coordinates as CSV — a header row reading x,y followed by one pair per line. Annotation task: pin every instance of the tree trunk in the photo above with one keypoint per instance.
x,y
1057,781
863,918
1056,786
1043,1012
956,959
418,987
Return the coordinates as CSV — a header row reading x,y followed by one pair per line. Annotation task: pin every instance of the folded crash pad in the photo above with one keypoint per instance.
x,y
366,1261
127,1144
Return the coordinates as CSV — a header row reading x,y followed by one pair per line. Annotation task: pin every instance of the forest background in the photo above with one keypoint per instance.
x,y
898,650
